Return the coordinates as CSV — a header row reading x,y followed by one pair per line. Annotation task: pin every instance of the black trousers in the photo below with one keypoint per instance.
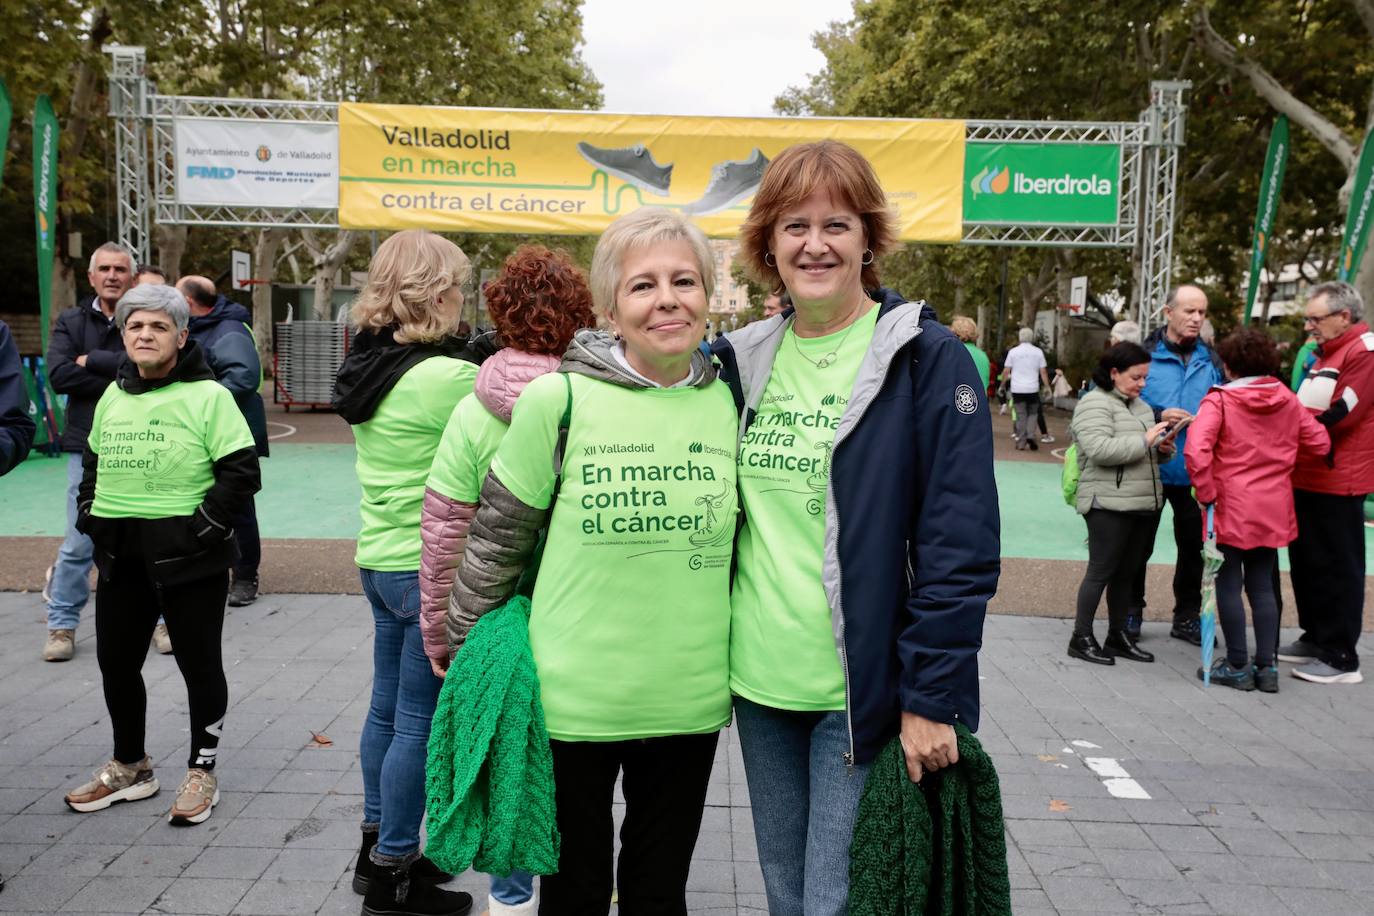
x,y
664,785
245,526
1254,571
1188,566
1327,568
127,605
1118,543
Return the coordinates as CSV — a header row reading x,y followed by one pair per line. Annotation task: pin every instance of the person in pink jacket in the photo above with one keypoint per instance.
x,y
537,302
1240,456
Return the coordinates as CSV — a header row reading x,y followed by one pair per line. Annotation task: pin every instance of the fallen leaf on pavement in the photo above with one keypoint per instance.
x,y
1057,805
319,740
1047,758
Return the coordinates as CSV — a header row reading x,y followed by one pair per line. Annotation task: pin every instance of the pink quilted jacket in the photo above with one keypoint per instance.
x,y
444,522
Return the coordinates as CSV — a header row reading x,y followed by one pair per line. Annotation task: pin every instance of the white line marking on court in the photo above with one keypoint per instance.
x,y
1114,776
1088,744
290,430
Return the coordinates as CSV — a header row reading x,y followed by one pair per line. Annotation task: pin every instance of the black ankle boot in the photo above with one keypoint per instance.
x,y
395,891
1086,648
1120,645
422,868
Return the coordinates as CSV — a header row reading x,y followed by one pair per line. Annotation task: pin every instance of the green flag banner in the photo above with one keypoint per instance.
x,y
1358,218
1275,161
45,136
5,113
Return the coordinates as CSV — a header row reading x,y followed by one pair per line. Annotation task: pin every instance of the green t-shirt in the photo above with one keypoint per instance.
x,y
782,646
395,450
630,624
465,452
981,361
157,450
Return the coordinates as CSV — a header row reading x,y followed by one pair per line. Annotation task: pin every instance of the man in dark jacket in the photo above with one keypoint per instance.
x,y
84,353
16,426
222,329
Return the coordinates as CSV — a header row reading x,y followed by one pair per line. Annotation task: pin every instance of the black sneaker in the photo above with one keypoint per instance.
x,y
1242,678
1188,631
243,592
1267,678
634,164
731,182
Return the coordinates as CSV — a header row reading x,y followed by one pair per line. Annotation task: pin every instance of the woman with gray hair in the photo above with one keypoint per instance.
x,y
630,617
169,461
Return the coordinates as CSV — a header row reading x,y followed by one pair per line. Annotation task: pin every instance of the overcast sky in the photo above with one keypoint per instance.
x,y
708,57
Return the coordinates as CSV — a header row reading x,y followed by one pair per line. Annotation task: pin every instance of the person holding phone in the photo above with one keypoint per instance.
x,y
1119,492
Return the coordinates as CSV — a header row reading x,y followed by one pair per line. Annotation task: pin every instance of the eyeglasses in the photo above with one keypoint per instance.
x,y
1318,319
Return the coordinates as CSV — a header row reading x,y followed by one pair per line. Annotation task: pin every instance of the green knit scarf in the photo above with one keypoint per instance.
x,y
489,776
936,848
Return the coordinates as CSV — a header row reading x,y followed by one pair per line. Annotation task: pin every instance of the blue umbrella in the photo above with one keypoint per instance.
x,y
1211,562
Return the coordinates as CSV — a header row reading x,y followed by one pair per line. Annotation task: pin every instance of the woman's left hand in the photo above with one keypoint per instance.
x,y
927,745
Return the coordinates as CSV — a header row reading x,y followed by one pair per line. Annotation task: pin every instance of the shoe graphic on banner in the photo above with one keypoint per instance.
x,y
634,164
731,182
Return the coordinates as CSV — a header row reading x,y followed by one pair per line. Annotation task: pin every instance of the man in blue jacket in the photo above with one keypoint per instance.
x,y
222,328
84,352
1182,370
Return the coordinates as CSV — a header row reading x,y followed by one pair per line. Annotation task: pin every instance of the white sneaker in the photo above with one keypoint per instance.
x,y
1047,438
162,642
1319,672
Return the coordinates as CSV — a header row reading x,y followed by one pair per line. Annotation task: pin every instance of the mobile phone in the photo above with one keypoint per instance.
x,y
1172,432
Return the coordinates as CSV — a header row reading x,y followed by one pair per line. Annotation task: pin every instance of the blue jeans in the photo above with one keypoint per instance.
x,y
70,587
805,801
512,891
396,735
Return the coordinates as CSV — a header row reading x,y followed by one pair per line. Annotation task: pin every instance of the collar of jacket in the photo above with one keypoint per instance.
x,y
1352,333
590,354
190,367
224,310
376,362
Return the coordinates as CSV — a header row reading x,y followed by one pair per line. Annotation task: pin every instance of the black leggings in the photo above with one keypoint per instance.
x,y
664,781
1117,548
1257,567
127,605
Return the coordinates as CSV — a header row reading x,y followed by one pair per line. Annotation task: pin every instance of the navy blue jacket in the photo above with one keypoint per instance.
x,y
83,330
16,426
224,337
912,525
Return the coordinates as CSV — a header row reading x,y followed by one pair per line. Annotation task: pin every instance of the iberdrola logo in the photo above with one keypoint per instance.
x,y
694,448
991,181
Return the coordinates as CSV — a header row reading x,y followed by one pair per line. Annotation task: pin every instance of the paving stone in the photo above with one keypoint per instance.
x,y
110,894
231,862
209,896
278,897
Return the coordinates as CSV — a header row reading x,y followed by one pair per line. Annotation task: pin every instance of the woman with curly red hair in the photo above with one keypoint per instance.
x,y
537,303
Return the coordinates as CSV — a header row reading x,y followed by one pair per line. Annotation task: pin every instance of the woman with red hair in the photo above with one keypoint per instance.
x,y
537,303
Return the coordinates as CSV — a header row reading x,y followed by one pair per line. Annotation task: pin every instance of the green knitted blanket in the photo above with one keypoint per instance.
x,y
489,776
936,848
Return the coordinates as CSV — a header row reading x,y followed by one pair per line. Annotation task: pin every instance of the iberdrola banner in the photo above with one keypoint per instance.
x,y
45,137
6,112
492,170
1357,219
1275,161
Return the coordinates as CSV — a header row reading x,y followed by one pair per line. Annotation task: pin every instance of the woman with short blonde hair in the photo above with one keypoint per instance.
x,y
398,386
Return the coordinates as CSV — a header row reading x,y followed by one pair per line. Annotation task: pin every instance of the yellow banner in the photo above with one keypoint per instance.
x,y
489,170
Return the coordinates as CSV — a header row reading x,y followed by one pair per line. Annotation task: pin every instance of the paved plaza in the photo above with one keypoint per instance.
x,y
1126,790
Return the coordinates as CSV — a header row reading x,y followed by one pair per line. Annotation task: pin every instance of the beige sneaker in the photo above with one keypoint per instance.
x,y
60,646
198,795
114,782
161,641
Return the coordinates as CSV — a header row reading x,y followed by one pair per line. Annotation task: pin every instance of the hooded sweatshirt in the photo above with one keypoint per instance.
x,y
1240,454
474,431
630,625
225,337
398,398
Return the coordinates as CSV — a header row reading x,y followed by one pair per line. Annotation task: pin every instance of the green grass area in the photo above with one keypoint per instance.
x,y
311,491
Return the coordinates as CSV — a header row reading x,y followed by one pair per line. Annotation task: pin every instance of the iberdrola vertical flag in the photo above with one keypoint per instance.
x,y
45,135
1361,211
1270,185
5,112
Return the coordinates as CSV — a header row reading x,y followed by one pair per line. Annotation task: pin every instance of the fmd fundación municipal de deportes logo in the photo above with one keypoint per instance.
x,y
264,154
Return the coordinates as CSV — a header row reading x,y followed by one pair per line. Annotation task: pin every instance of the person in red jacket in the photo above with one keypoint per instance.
x,y
1328,560
1241,450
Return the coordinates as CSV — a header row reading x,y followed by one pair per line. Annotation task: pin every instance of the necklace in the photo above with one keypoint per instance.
x,y
830,357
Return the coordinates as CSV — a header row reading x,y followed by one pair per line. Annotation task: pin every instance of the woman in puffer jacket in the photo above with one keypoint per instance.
x,y
537,303
1119,450
1240,455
